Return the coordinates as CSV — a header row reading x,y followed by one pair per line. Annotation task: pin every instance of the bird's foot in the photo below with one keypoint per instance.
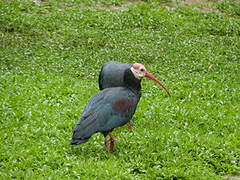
x,y
112,148
107,144
130,126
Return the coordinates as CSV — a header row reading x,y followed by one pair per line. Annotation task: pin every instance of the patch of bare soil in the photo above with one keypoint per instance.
x,y
200,5
189,2
119,8
104,7
232,177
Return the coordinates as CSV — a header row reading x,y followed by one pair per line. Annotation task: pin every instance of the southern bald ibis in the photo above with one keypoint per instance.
x,y
111,75
111,108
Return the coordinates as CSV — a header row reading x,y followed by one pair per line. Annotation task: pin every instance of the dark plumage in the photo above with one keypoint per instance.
x,y
111,74
111,108
108,109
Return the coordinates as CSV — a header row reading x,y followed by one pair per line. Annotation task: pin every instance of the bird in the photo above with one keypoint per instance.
x,y
111,108
111,75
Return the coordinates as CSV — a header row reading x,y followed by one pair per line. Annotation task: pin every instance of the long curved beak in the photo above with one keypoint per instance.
x,y
150,76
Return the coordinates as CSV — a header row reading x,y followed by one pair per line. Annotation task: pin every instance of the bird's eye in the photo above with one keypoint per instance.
x,y
142,69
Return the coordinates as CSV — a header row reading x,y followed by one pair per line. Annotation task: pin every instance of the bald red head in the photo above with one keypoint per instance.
x,y
139,71
137,65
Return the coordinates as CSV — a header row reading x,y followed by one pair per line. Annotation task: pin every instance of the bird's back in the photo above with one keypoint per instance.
x,y
112,74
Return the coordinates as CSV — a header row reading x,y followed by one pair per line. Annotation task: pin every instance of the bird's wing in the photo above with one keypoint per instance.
x,y
94,102
106,111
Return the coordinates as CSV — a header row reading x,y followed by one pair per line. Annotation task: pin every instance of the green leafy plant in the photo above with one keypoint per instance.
x,y
51,54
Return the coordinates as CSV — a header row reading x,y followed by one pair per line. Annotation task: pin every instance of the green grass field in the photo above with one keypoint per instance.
x,y
50,57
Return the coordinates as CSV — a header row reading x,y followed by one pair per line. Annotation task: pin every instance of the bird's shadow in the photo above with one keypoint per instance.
x,y
94,152
96,149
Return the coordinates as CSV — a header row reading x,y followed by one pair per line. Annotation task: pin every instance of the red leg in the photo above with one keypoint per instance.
x,y
112,142
106,144
109,142
130,126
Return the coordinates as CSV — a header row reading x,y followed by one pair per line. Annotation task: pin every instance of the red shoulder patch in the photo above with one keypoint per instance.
x,y
122,105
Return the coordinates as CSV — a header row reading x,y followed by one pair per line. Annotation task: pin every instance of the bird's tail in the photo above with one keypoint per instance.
x,y
78,141
79,136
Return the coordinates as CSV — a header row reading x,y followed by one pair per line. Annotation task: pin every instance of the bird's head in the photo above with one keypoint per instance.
x,y
139,72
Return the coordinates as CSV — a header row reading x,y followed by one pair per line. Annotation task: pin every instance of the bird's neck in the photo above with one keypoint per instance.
x,y
131,82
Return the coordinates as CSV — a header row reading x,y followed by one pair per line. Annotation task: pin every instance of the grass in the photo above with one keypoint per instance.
x,y
50,57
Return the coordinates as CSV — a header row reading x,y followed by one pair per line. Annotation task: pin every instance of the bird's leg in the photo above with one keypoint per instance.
x,y
112,142
106,143
109,142
130,126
